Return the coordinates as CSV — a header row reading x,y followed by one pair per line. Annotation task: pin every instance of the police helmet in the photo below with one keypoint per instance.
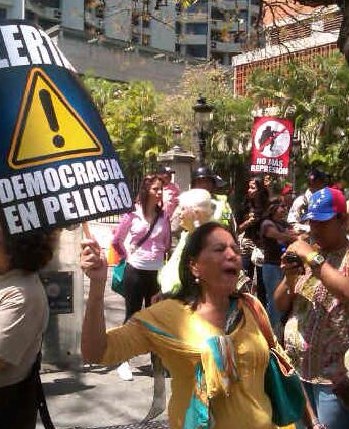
x,y
203,172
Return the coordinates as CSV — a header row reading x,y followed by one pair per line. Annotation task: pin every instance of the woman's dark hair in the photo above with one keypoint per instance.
x,y
260,199
258,204
259,182
143,194
190,291
273,206
31,251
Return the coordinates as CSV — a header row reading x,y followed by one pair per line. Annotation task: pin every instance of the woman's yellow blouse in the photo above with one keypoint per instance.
x,y
246,407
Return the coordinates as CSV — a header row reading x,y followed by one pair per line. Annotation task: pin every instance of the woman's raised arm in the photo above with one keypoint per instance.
x,y
94,265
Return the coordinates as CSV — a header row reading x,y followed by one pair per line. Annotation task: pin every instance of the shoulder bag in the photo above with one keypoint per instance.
x,y
117,282
282,384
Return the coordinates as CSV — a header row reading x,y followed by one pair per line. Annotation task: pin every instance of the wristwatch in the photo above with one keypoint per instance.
x,y
314,259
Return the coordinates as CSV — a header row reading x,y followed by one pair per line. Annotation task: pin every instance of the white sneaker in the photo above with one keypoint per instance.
x,y
124,371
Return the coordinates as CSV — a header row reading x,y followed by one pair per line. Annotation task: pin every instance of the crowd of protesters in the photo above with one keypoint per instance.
x,y
184,300
300,280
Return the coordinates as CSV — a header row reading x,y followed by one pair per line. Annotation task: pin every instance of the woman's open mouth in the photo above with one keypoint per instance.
x,y
232,271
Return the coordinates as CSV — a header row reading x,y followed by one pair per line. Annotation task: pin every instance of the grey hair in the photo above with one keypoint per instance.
x,y
197,198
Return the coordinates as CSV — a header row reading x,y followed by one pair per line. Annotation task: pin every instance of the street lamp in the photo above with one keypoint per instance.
x,y
177,137
203,115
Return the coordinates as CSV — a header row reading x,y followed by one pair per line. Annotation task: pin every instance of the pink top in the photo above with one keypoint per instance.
x,y
133,227
170,195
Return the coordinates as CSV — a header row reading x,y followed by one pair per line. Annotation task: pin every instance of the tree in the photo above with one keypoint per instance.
x,y
127,110
140,120
318,104
227,146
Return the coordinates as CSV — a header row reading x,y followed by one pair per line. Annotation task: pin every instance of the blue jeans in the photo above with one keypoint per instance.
x,y
272,276
326,406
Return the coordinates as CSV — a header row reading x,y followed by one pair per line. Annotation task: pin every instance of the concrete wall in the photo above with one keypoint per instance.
x,y
62,339
163,35
61,345
73,14
117,19
112,62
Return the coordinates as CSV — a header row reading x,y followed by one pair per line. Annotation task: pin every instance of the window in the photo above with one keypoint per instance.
x,y
196,29
50,3
3,13
198,51
217,14
135,39
145,40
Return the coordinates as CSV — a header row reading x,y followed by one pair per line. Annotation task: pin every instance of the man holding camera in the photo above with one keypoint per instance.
x,y
315,290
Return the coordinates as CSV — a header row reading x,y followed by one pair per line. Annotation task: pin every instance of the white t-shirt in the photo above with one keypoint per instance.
x,y
23,320
297,210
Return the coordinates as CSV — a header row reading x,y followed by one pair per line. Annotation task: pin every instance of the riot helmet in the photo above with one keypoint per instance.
x,y
203,177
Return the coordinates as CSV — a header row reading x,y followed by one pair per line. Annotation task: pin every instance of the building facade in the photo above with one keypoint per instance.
x,y
209,29
44,13
301,34
216,29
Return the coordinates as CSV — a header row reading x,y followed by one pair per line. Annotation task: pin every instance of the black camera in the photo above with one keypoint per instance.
x,y
293,258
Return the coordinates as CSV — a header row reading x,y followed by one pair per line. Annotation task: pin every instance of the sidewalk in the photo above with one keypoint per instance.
x,y
95,397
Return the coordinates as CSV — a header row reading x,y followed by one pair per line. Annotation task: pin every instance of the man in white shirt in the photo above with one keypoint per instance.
x,y
317,180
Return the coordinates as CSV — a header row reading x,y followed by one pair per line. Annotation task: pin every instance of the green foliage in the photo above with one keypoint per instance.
x,y
316,97
128,110
227,145
140,121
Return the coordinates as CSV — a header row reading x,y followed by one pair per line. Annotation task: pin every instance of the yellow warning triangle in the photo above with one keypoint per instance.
x,y
48,129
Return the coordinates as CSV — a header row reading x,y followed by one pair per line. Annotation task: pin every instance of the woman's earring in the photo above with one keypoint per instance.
x,y
196,223
197,280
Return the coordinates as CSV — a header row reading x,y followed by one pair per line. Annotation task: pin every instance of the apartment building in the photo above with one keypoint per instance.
x,y
45,13
217,29
209,29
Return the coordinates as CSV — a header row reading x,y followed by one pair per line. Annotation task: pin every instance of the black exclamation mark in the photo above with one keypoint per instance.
x,y
46,101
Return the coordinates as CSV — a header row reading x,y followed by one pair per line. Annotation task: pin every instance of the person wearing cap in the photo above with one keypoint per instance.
x,y
170,190
315,290
204,178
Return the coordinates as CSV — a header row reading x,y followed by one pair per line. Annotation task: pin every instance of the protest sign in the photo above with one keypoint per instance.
x,y
58,166
271,143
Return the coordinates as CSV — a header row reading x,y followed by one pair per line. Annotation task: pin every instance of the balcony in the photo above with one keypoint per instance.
x,y
193,17
225,47
193,39
229,5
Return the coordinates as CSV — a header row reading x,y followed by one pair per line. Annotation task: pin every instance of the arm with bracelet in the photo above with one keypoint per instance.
x,y
316,334
334,280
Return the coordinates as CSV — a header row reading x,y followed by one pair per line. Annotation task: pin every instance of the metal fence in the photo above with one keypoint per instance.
x,y
109,219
